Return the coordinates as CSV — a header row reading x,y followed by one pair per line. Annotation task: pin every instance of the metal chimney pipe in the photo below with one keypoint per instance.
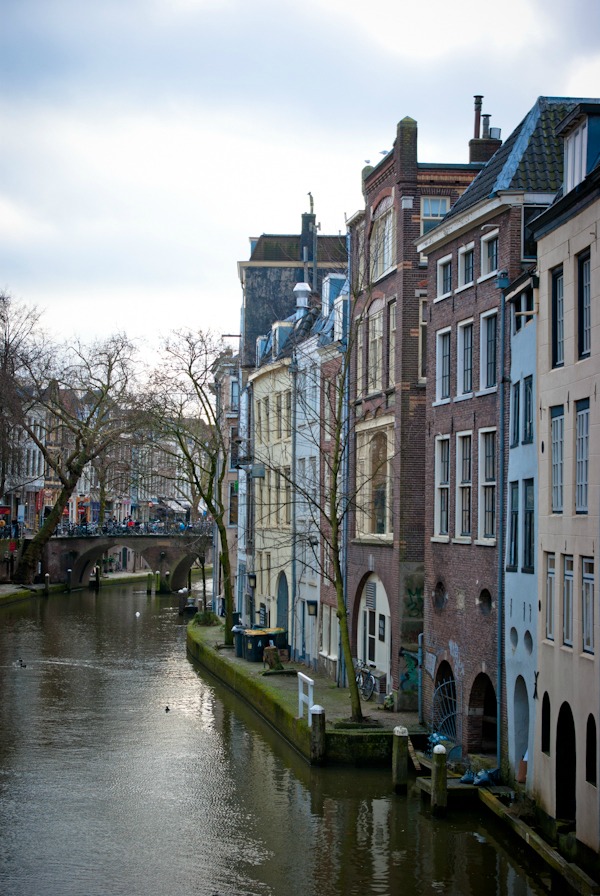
x,y
478,100
486,126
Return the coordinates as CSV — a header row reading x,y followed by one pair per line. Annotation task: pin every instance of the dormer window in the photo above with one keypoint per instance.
x,y
576,156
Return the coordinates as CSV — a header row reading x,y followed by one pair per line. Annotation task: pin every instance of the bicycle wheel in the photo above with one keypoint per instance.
x,y
368,686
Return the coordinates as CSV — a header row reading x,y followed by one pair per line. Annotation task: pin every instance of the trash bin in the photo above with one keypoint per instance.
x,y
238,638
254,645
236,618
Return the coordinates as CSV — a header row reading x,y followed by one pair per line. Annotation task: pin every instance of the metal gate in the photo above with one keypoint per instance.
x,y
446,716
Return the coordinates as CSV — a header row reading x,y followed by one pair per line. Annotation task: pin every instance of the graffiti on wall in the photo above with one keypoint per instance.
x,y
413,602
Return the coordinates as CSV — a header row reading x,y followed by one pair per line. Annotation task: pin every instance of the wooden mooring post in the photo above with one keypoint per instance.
x,y
439,781
400,759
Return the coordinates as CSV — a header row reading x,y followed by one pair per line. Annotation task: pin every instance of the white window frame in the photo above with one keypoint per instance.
x,y
550,595
587,603
360,358
375,352
392,310
485,484
484,322
441,524
461,390
575,146
441,266
442,205
568,584
382,243
487,269
557,453
422,338
463,252
582,455
464,486
440,372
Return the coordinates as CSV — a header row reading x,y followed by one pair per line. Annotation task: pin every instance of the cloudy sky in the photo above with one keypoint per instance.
x,y
144,141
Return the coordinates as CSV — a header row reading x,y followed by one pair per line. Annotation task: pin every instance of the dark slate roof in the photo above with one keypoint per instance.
x,y
531,159
277,247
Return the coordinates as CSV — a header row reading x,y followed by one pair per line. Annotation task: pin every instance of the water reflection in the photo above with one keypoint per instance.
x,y
103,792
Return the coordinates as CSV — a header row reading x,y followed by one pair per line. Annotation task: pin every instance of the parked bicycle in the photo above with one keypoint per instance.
x,y
364,679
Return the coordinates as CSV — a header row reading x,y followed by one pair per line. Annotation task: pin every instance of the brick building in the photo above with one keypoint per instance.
x,y
482,246
403,199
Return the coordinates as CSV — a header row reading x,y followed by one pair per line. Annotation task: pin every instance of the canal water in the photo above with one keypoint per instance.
x,y
103,792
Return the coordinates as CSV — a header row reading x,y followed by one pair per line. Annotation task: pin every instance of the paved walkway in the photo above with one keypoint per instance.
x,y
334,700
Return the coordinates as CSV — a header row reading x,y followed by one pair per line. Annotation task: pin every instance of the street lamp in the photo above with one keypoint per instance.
x,y
311,606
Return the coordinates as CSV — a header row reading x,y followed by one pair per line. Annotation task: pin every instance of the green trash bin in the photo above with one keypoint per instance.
x,y
254,645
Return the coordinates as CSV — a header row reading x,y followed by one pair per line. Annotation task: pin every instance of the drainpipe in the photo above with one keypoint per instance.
x,y
502,283
420,677
293,371
341,676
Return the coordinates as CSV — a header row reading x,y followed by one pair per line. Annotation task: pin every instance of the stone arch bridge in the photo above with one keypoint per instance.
x,y
170,555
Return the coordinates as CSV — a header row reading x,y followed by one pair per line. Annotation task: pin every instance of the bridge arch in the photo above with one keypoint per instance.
x,y
174,555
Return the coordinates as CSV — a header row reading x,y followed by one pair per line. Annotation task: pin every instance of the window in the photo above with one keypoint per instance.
x,y
433,209
443,365
528,410
489,254
575,156
515,414
442,485
287,512
234,398
464,481
528,527
568,601
513,539
379,509
487,484
530,212
465,358
234,448
582,454
266,420
523,309
233,504
391,343
422,340
360,338
557,443
550,592
444,277
465,265
558,319
382,239
587,603
584,320
374,484
287,431
488,377
278,416
375,360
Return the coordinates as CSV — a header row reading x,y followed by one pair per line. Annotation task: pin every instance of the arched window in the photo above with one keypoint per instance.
x,y
546,724
381,243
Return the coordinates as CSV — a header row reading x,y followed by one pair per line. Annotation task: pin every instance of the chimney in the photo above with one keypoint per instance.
x,y
482,148
307,237
478,99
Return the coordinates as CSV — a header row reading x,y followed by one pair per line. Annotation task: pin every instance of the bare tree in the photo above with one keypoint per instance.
x,y
84,394
21,339
187,413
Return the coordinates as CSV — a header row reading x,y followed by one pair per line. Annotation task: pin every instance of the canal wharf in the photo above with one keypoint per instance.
x,y
275,698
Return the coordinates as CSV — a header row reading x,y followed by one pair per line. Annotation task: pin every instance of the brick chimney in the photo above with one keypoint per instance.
x,y
483,146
